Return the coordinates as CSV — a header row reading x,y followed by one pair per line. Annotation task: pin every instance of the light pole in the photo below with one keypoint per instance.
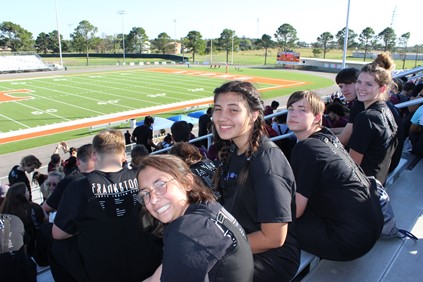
x,y
211,51
122,13
174,30
58,35
344,56
232,49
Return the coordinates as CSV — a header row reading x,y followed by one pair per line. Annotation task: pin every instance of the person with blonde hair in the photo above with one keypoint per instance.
x,y
338,213
49,185
375,132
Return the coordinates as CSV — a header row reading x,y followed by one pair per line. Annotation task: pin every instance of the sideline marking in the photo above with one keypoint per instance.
x,y
85,123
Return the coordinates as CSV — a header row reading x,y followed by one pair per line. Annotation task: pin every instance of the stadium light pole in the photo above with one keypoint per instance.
x,y
174,32
211,51
58,35
122,13
232,49
344,56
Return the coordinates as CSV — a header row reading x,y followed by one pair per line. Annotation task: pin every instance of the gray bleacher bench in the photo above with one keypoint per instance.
x,y
389,259
307,261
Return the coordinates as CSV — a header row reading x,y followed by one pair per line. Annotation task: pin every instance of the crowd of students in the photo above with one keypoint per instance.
x,y
240,211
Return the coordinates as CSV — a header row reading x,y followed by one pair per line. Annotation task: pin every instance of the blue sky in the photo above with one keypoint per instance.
x,y
250,18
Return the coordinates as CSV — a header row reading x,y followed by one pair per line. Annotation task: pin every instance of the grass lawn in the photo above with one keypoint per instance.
x,y
57,99
250,57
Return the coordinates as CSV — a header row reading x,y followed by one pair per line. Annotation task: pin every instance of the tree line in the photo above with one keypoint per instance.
x,y
84,39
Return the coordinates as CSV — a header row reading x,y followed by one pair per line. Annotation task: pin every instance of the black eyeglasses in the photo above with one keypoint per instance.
x,y
159,188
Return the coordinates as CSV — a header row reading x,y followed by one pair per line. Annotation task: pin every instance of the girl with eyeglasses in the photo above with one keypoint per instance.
x,y
202,241
50,184
256,181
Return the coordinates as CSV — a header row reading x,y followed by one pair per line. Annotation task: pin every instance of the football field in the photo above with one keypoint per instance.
x,y
59,100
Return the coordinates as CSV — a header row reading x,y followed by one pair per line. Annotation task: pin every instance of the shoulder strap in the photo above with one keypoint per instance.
x,y
340,151
279,128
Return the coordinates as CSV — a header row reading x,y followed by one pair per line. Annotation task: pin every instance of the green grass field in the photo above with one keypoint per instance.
x,y
58,99
249,57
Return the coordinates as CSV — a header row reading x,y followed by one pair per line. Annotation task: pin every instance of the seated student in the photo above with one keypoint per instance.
x,y
55,163
17,203
268,110
200,166
375,134
18,172
85,164
181,132
166,143
416,132
346,80
337,115
49,185
16,264
138,152
338,214
202,241
97,224
256,180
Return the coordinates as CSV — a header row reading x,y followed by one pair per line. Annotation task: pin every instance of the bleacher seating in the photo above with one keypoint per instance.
x,y
22,63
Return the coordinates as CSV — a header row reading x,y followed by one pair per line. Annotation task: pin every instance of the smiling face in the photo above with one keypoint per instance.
x,y
367,89
348,90
51,182
301,120
232,119
170,205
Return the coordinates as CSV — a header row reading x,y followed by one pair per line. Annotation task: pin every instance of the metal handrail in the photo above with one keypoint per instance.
x,y
209,137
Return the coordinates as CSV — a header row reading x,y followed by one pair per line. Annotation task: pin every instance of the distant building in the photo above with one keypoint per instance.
x,y
174,48
146,47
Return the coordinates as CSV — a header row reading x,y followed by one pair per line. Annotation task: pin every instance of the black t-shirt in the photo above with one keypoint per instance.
x,y
35,219
336,193
141,134
206,244
205,169
54,199
356,108
16,175
267,197
101,207
375,136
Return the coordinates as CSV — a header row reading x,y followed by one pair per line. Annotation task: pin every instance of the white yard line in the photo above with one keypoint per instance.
x,y
15,121
139,112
